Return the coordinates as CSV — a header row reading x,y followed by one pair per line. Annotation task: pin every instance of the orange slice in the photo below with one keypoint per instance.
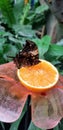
x,y
40,77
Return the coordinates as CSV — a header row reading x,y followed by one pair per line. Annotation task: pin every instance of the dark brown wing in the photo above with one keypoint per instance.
x,y
28,56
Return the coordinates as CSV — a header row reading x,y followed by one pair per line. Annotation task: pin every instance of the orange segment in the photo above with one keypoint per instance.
x,y
40,77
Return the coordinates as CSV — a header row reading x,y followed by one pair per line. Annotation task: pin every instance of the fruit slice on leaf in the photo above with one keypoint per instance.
x,y
40,77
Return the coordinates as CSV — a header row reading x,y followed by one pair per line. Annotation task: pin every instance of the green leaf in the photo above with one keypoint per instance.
x,y
43,45
55,50
9,50
7,11
41,9
2,125
15,40
24,30
61,124
33,127
7,34
2,41
56,128
1,32
18,9
25,13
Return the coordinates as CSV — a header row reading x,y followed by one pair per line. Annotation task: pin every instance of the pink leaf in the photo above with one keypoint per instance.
x,y
47,108
12,94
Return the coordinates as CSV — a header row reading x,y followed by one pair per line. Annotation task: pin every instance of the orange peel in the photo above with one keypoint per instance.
x,y
40,77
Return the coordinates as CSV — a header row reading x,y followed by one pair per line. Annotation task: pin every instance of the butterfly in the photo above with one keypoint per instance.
x,y
28,56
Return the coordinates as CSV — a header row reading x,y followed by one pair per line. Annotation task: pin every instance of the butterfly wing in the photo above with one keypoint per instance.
x,y
28,56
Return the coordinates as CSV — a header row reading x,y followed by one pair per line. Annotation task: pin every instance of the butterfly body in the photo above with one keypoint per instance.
x,y
28,56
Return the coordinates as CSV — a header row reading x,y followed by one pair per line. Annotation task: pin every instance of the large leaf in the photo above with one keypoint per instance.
x,y
25,13
18,9
46,109
55,50
7,11
41,9
60,126
10,50
56,128
43,45
2,125
2,40
24,30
